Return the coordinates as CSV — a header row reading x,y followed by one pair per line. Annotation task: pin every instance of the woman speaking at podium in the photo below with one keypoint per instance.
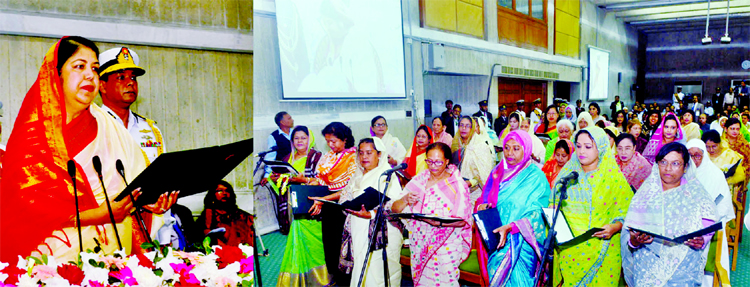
x,y
600,199
57,122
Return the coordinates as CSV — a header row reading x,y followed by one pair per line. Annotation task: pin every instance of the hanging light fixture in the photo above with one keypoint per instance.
x,y
706,39
726,39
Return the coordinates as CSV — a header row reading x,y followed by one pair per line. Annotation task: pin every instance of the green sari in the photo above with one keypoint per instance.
x,y
304,261
600,197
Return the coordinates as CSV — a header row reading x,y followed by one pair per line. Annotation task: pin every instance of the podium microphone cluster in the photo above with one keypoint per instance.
x,y
98,167
72,173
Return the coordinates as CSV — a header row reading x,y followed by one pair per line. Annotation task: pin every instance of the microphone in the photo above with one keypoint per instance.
x,y
72,173
98,168
264,153
570,177
121,170
396,168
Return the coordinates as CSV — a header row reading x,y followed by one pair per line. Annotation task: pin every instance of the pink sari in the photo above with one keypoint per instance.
x,y
636,171
436,252
445,138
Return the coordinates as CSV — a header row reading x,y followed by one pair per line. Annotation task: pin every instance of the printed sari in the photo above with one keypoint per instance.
x,y
473,158
436,252
601,197
636,170
672,213
36,181
741,146
518,192
551,169
656,141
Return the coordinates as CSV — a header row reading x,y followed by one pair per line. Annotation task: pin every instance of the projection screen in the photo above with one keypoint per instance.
x,y
341,49
598,73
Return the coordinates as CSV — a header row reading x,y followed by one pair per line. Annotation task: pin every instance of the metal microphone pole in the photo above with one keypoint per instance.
x,y
72,173
551,240
98,167
378,216
141,223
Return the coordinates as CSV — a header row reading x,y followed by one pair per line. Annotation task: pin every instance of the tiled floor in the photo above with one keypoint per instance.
x,y
275,242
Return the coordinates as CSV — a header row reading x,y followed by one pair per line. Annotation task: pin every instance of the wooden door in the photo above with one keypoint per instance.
x,y
511,90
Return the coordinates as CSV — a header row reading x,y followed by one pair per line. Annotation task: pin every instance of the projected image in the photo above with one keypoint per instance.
x,y
341,48
598,74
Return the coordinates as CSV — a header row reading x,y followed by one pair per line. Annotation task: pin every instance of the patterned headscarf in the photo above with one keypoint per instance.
x,y
656,139
505,171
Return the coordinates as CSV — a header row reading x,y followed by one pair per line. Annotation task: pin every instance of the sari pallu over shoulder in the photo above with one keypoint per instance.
x,y
600,197
449,198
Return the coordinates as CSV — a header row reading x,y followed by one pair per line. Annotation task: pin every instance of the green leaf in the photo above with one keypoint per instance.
x,y
93,263
36,260
158,272
44,259
207,246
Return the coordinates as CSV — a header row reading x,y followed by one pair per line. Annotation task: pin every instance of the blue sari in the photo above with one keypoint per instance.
x,y
519,200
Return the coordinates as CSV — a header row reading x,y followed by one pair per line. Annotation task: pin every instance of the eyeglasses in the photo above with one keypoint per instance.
x,y
434,162
380,125
674,165
464,126
696,156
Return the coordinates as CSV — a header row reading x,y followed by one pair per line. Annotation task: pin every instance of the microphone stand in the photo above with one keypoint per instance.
x,y
378,217
551,240
72,172
106,198
137,212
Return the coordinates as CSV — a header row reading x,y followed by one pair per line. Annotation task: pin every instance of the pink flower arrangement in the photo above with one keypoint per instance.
x,y
224,267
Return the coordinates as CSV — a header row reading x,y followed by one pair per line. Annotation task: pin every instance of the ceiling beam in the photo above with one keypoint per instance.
x,y
686,14
720,5
696,19
629,5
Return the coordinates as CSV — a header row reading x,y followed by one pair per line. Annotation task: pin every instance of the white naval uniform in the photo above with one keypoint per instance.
x,y
536,118
142,133
152,144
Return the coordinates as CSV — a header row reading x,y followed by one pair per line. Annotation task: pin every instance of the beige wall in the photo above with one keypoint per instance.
x,y
226,14
197,98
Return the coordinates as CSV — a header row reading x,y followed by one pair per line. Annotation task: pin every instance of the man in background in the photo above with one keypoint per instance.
x,y
483,112
451,125
716,99
616,106
502,120
536,114
520,107
448,113
280,142
696,106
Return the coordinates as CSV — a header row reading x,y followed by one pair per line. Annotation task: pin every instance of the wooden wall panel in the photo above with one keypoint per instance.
x,y
511,90
197,98
517,29
567,28
462,16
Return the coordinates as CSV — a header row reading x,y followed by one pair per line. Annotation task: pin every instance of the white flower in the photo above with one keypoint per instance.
x,y
247,249
22,264
3,265
26,281
95,274
57,282
145,276
86,257
51,261
164,264
218,277
3,277
132,261
205,270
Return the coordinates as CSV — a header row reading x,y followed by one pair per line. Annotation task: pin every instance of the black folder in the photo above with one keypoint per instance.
x,y
281,167
681,239
487,221
370,199
299,193
190,171
422,216
564,236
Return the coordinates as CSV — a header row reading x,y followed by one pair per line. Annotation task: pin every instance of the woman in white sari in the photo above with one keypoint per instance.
x,y
671,202
538,149
395,151
713,180
372,161
472,156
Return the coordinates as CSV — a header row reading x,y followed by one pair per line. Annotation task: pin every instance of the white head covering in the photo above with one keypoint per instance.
x,y
716,125
713,180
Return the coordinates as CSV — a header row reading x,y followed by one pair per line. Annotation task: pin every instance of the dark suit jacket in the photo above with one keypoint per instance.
x,y
488,115
449,128
500,124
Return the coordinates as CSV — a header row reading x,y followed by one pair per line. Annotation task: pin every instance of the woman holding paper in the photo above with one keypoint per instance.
x,y
599,200
472,156
304,259
58,122
372,161
672,202
437,249
518,190
723,157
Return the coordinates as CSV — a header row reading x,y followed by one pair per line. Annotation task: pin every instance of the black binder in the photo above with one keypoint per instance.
x,y
190,171
299,193
422,216
487,221
370,199
681,239
565,237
